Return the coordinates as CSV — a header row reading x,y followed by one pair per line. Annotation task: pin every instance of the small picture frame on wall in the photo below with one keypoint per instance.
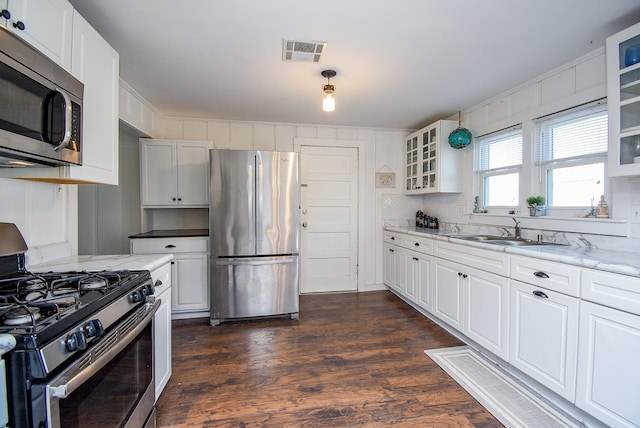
x,y
385,180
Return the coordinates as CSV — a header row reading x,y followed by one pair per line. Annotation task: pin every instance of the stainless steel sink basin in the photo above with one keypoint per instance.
x,y
499,240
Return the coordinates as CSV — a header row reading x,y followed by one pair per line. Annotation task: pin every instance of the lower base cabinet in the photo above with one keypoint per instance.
x,y
486,310
609,381
162,328
447,292
544,343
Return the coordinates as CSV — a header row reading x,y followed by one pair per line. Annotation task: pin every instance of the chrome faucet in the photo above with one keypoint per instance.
x,y
518,228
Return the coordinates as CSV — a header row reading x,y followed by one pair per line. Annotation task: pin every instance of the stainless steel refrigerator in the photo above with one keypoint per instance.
x,y
254,229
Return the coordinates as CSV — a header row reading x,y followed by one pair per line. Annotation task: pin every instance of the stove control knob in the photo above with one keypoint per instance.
x,y
93,328
136,296
76,342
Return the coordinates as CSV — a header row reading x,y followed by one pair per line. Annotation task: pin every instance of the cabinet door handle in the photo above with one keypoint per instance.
x,y
459,273
464,275
417,244
158,283
541,274
393,238
170,246
5,14
390,249
540,294
19,25
416,259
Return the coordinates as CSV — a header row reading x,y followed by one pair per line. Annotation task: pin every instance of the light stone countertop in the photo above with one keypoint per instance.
x,y
96,263
7,343
622,262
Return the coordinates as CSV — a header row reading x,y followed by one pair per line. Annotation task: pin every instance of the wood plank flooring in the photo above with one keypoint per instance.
x,y
352,360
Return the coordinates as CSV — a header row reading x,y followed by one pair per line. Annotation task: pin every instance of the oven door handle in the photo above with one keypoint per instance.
x,y
66,389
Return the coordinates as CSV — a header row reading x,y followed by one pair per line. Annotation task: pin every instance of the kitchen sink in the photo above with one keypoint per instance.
x,y
500,240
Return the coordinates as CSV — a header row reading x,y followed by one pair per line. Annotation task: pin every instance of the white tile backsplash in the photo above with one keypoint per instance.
x,y
400,207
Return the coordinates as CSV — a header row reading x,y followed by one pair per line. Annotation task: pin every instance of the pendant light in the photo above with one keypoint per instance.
x,y
329,101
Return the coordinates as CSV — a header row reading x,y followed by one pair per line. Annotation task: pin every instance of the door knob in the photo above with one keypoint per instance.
x,y
304,224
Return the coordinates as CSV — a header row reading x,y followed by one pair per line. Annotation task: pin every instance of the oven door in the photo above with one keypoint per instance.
x,y
111,385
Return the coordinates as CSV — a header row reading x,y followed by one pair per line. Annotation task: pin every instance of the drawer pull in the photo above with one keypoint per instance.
x,y
540,294
393,238
170,246
417,244
390,249
541,274
416,259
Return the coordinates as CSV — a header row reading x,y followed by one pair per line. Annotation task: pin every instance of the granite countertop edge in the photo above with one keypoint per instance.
x,y
149,262
620,262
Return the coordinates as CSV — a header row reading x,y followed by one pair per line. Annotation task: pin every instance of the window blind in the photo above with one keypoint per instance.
x,y
500,151
579,134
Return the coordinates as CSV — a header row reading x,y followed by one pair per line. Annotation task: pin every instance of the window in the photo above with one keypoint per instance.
x,y
572,156
499,167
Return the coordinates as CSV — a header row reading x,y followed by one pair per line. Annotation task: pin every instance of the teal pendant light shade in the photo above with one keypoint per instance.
x,y
459,137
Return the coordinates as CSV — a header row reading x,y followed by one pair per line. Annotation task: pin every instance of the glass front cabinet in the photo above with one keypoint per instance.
x,y
623,95
432,165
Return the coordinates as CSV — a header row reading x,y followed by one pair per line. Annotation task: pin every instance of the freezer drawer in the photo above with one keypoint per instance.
x,y
253,287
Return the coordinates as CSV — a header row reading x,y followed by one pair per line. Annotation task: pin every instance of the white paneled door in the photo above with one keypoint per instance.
x,y
329,219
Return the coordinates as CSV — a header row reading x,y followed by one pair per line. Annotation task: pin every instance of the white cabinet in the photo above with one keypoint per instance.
x,y
474,302
486,310
45,24
421,272
393,266
544,339
447,292
609,373
608,370
431,164
623,100
189,270
192,292
96,64
174,174
162,328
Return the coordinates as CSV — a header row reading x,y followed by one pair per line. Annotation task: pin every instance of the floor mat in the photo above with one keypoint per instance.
x,y
509,401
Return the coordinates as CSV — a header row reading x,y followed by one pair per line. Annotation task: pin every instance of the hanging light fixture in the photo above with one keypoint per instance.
x,y
329,101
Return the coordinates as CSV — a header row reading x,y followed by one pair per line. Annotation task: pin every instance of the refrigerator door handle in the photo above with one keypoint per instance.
x,y
239,262
250,202
259,201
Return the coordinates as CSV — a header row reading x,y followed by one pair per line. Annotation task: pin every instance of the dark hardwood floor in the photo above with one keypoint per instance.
x,y
351,360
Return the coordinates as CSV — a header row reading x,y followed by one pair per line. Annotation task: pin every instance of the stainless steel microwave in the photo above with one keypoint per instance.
x,y
40,108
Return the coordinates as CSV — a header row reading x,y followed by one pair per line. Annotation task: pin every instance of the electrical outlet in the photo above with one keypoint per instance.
x,y
635,214
59,192
461,209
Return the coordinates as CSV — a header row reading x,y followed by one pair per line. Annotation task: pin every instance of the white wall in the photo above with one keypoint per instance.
x,y
572,84
45,213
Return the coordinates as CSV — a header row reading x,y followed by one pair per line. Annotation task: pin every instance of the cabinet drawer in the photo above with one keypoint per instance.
x,y
395,238
610,289
419,244
162,274
169,245
487,260
550,275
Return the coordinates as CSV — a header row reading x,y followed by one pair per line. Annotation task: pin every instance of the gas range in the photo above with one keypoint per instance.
x,y
80,336
59,314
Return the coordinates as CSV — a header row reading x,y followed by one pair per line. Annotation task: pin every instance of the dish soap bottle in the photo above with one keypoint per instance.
x,y
602,211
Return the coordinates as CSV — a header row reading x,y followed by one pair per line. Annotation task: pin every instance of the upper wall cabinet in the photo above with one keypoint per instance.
x,y
174,174
623,93
96,64
45,24
432,165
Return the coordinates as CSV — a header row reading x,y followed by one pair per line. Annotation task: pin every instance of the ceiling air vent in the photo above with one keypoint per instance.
x,y
303,51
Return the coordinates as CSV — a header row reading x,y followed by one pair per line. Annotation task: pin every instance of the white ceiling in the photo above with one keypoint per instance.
x,y
400,63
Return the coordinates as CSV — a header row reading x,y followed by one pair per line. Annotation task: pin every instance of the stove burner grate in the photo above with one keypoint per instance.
x,y
22,315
